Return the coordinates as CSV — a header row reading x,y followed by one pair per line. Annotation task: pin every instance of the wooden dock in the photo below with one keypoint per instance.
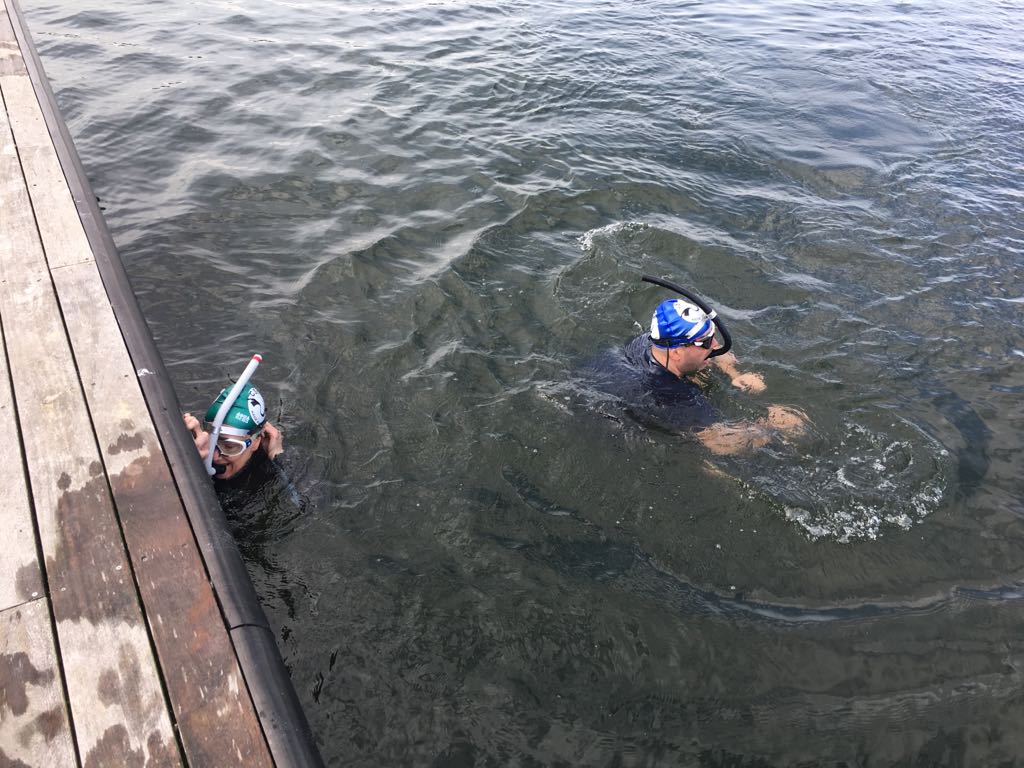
x,y
116,644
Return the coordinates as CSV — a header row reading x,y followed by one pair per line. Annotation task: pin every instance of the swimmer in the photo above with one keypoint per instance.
x,y
244,435
683,342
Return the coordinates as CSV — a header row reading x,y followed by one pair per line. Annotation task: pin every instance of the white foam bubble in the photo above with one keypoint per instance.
x,y
586,240
876,480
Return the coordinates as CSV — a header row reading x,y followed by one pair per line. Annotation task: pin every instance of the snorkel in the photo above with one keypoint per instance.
x,y
712,315
222,412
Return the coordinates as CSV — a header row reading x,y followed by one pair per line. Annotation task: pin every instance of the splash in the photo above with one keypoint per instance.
x,y
859,482
586,240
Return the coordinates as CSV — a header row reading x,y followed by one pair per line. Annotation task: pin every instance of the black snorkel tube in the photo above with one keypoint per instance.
x,y
712,315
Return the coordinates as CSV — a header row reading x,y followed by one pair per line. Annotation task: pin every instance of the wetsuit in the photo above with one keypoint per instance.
x,y
650,391
261,483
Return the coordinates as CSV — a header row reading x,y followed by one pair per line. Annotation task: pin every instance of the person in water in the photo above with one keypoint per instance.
x,y
679,345
244,438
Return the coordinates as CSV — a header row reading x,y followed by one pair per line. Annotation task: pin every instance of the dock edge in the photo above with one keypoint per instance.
x,y
289,737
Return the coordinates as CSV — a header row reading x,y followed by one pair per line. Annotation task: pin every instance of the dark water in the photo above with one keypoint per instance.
x,y
429,217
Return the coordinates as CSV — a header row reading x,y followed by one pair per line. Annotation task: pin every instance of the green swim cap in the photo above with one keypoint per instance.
x,y
247,414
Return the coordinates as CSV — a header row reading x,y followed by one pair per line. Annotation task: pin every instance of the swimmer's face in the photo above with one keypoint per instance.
x,y
692,357
228,466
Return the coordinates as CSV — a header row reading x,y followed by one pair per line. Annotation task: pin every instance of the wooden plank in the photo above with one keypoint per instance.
x,y
61,229
33,718
23,111
20,577
216,718
11,60
115,696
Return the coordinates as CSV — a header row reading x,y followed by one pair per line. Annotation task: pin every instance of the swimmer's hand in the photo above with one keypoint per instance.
x,y
787,419
748,382
273,442
730,439
199,437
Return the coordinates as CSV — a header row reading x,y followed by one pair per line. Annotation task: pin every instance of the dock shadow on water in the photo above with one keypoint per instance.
x,y
432,219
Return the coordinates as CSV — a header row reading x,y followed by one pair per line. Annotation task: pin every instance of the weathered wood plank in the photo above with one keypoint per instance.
x,y
20,577
61,229
11,60
216,718
115,696
33,718
27,124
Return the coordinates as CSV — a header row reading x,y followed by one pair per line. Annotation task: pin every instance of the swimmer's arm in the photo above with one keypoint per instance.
x,y
748,382
743,437
730,439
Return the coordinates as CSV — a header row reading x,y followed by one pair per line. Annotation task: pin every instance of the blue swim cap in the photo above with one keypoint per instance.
x,y
677,323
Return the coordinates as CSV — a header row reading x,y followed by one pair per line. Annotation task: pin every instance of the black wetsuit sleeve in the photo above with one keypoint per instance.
x,y
652,393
